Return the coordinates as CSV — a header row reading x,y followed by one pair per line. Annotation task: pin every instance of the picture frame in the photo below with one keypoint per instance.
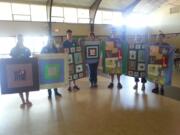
x,y
53,70
76,63
132,55
70,58
132,65
91,50
19,75
141,56
78,58
141,67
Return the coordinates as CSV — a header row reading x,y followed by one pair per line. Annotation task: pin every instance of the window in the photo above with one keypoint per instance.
x,y
117,18
57,19
22,18
21,12
83,15
35,44
107,17
7,43
5,11
70,15
83,20
31,12
20,9
57,14
38,13
57,11
98,18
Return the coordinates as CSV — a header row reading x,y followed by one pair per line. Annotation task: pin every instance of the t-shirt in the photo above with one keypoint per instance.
x,y
69,43
49,49
20,52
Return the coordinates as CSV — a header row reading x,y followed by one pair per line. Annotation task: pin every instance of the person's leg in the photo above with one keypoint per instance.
x,y
90,68
156,89
162,90
143,81
56,92
22,99
136,79
69,88
49,93
75,87
119,86
111,85
95,74
27,99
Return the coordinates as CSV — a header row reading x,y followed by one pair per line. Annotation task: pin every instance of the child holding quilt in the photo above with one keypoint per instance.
x,y
69,43
93,68
20,51
165,70
139,41
113,60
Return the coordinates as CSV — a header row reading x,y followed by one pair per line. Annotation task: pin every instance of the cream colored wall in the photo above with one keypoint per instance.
x,y
167,23
8,28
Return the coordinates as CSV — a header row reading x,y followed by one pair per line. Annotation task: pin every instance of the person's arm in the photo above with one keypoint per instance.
x,y
12,53
42,50
28,53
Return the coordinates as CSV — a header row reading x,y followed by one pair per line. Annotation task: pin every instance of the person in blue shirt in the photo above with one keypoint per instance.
x,y
50,48
92,67
68,43
20,51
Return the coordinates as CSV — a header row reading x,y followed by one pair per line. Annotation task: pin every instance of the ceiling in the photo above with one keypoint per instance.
x,y
143,6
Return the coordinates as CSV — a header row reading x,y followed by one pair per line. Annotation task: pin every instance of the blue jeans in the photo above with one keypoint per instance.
x,y
93,72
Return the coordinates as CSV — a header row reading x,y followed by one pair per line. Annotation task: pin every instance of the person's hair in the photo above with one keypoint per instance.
x,y
19,35
92,34
69,31
162,35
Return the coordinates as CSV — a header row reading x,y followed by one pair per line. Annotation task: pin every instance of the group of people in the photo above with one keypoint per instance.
x,y
20,51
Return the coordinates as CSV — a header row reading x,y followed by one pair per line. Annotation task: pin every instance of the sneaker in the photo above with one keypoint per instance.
x,y
69,89
22,105
29,104
76,87
111,85
119,86
135,87
58,94
155,90
162,91
95,85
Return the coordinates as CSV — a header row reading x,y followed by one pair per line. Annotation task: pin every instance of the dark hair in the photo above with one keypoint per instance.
x,y
69,31
92,34
162,35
